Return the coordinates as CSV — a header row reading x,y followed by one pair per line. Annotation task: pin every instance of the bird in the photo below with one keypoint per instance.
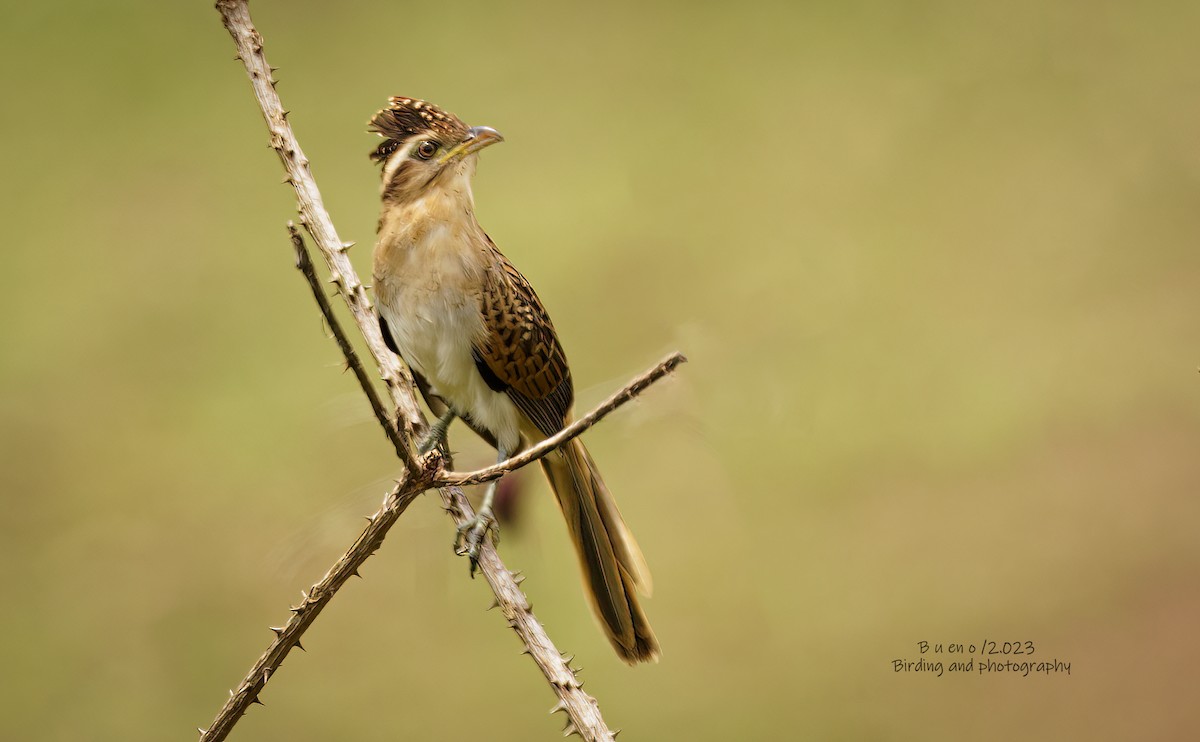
x,y
482,348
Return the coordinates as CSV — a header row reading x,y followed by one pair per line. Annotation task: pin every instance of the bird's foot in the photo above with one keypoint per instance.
x,y
471,534
437,433
427,444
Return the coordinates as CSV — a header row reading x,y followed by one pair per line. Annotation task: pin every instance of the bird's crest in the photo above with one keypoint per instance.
x,y
407,116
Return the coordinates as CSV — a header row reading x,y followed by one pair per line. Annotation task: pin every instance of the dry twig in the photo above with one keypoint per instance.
x,y
311,604
533,453
305,266
420,473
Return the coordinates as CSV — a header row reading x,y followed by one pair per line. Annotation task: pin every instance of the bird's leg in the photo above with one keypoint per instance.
x,y
437,432
471,534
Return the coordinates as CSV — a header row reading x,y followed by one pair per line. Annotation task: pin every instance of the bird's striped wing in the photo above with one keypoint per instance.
x,y
520,354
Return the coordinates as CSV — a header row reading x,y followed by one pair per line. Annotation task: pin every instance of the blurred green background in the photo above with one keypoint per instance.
x,y
935,266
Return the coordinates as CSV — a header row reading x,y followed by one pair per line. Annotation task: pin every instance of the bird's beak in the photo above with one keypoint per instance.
x,y
478,137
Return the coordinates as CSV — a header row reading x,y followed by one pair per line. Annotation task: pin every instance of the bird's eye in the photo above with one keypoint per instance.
x,y
426,149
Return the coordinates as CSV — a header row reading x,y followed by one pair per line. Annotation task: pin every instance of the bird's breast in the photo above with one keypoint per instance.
x,y
429,293
429,290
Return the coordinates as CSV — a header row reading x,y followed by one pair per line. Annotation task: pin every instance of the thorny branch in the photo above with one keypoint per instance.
x,y
305,265
310,606
316,220
533,453
419,474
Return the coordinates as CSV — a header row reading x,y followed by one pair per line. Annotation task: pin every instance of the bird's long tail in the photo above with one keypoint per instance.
x,y
613,567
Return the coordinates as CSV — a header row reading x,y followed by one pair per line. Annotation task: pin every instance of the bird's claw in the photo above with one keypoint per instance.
x,y
429,443
471,534
436,435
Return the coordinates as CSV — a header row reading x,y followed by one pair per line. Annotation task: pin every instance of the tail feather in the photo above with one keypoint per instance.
x,y
614,569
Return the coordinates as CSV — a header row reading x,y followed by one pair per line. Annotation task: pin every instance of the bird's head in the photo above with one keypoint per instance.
x,y
424,148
